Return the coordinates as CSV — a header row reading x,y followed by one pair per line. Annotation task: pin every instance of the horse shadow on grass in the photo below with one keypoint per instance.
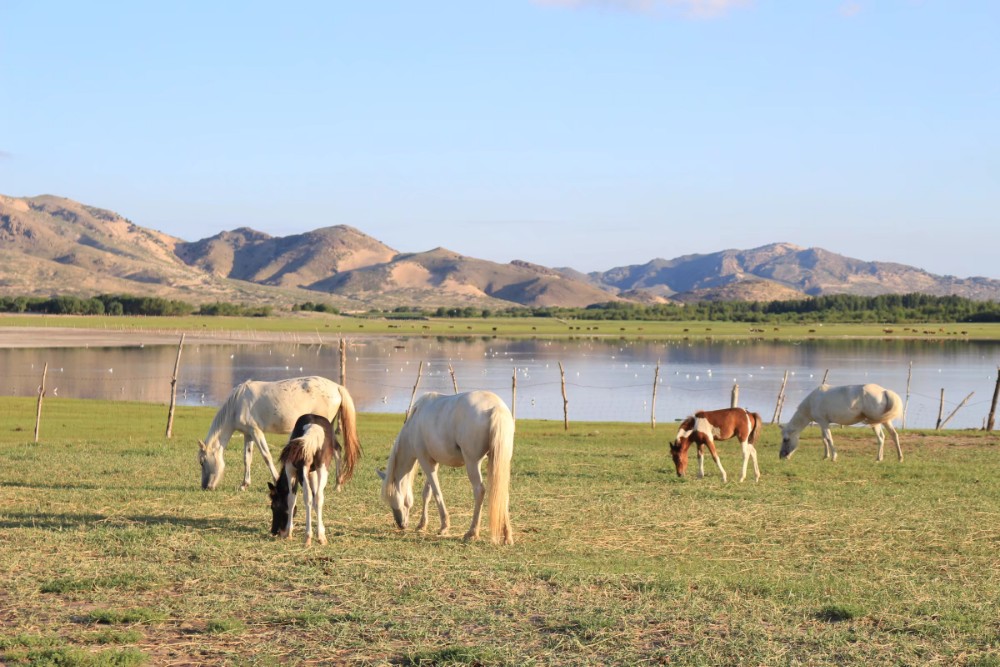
x,y
64,520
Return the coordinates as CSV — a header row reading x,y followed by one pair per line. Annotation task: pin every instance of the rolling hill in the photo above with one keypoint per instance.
x,y
51,245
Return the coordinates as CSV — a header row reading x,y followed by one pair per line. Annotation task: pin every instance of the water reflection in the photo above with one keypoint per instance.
x,y
606,380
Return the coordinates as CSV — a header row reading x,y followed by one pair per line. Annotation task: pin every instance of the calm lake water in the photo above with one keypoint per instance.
x,y
606,380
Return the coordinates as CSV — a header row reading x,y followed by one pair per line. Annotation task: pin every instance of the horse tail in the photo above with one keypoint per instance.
x,y
754,428
501,450
893,406
349,427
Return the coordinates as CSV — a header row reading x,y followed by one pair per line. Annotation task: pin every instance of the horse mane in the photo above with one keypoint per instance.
x,y
227,411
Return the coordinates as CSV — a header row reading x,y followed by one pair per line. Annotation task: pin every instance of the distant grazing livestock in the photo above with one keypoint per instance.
x,y
457,430
849,404
305,460
255,407
704,427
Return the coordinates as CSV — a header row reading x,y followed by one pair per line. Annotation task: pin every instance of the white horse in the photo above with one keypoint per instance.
x,y
849,404
456,430
254,407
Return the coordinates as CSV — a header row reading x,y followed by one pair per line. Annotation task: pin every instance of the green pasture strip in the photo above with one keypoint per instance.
x,y
313,326
106,538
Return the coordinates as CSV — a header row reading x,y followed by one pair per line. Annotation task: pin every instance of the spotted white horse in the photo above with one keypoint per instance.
x,y
848,404
255,407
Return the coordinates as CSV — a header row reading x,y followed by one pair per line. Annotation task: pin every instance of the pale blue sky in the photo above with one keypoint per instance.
x,y
578,133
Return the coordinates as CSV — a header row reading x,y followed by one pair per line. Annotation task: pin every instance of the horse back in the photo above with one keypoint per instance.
x,y
293,451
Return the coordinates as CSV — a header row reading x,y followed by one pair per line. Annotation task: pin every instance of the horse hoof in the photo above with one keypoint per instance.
x,y
321,540
309,542
470,536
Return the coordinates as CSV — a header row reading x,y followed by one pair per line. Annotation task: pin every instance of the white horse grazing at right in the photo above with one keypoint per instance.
x,y
456,430
850,404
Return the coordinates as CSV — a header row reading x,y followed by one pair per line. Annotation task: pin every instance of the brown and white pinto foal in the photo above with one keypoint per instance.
x,y
705,426
305,460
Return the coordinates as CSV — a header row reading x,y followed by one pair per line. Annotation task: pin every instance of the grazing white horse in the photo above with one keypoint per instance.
x,y
254,407
849,404
455,430
306,461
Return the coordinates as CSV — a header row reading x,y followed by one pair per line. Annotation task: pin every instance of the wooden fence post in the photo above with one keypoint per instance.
x,y
959,407
993,405
652,408
343,362
454,382
940,410
173,390
513,395
420,371
735,399
562,377
41,395
906,403
780,399
825,376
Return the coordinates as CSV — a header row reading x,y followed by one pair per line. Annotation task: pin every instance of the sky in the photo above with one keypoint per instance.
x,y
583,133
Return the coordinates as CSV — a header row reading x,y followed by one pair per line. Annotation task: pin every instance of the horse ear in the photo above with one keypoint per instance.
x,y
380,473
271,486
202,446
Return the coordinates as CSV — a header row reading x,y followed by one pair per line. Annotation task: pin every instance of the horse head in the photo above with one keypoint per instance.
x,y
789,442
679,452
213,465
279,504
398,496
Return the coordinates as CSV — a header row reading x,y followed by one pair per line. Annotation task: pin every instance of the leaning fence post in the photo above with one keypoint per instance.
x,y
780,399
420,371
652,408
41,395
454,382
562,377
825,376
993,405
957,408
173,390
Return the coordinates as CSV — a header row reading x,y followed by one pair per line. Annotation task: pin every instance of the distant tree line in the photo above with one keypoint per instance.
x,y
885,308
123,304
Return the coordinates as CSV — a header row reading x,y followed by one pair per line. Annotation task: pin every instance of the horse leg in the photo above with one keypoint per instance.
x,y
701,460
895,438
431,472
336,459
247,458
265,451
321,478
308,500
427,503
829,451
715,457
756,468
880,436
745,446
478,495
290,500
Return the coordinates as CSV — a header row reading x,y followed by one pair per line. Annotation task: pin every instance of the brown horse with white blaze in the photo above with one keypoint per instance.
x,y
704,427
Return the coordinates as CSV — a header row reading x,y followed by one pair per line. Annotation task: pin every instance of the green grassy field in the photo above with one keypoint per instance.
x,y
307,326
110,554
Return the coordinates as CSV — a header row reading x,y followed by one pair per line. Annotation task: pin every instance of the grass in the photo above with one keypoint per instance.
x,y
111,555
307,326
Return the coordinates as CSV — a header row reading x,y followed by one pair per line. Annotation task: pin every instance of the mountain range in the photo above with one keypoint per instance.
x,y
51,245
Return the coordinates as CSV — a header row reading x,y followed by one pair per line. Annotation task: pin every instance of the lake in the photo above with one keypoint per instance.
x,y
606,380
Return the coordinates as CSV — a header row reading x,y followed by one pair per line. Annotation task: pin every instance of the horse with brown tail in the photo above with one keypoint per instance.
x,y
704,427
254,407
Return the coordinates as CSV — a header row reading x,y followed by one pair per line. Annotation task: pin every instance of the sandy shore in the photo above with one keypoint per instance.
x,y
59,337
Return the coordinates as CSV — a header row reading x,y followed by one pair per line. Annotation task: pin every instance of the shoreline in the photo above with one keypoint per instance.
x,y
42,337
